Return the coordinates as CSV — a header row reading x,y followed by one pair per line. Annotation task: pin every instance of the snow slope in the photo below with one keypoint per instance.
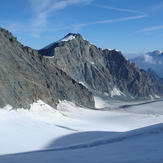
x,y
66,38
75,134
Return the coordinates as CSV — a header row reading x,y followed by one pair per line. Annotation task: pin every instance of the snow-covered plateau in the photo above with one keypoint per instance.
x,y
113,132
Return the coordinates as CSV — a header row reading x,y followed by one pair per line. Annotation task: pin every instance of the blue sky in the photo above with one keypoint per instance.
x,y
131,26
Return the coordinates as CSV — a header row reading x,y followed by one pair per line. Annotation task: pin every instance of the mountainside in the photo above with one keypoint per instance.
x,y
26,76
106,72
152,60
152,72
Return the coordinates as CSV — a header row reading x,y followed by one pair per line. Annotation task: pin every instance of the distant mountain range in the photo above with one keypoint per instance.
x,y
70,69
152,60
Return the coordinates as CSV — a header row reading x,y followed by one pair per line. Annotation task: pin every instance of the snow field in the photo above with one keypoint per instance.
x,y
75,134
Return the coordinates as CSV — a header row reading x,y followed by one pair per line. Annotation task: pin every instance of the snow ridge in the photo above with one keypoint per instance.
x,y
116,92
68,38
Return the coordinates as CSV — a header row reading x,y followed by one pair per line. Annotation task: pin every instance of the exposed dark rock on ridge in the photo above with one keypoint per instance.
x,y
102,70
26,76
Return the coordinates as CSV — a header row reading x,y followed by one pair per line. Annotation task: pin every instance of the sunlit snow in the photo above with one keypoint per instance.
x,y
109,133
67,38
116,92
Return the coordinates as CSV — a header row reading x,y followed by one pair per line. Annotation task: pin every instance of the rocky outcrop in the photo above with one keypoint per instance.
x,y
106,72
26,76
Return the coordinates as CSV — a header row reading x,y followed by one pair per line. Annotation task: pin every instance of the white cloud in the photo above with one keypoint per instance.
x,y
39,5
151,29
149,59
119,9
42,9
79,26
120,19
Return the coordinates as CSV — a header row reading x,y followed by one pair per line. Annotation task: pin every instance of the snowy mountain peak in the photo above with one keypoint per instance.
x,y
68,37
94,67
152,60
155,53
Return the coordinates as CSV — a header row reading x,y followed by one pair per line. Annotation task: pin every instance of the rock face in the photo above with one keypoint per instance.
x,y
105,72
26,76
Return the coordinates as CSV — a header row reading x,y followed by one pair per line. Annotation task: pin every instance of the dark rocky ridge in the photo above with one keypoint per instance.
x,y
26,76
102,70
